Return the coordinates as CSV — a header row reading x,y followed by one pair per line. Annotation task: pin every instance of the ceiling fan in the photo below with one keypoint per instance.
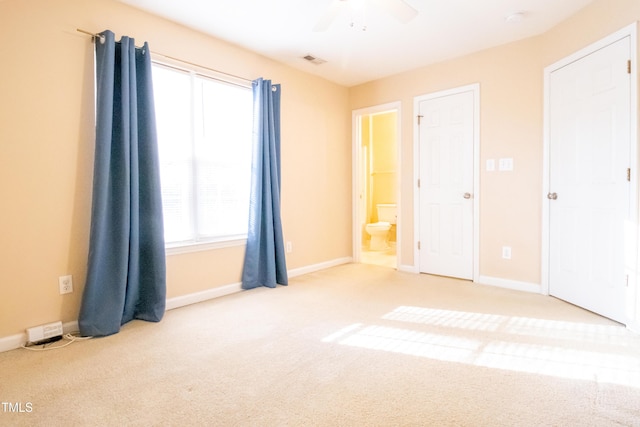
x,y
399,9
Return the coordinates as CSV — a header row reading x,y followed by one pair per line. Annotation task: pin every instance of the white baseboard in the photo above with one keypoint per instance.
x,y
317,267
221,291
510,284
12,342
487,280
70,327
16,341
196,297
408,269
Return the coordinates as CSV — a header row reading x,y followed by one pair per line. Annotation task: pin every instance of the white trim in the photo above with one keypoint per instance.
x,y
631,32
409,269
13,342
70,327
200,70
633,317
544,278
357,172
509,284
633,294
185,248
476,181
220,291
475,88
415,187
318,267
201,296
628,31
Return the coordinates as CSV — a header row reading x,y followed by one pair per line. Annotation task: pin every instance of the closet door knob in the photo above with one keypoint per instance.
x,y
552,196
467,195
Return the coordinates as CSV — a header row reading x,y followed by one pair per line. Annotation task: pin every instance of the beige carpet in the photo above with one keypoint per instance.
x,y
355,345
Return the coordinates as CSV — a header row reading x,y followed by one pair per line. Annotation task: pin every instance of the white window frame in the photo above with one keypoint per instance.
x,y
216,242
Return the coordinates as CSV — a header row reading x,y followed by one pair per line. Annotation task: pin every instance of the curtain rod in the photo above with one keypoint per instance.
x,y
94,36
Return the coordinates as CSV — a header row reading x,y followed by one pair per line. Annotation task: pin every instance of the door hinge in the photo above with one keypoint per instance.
x,y
418,244
419,118
629,174
628,66
418,183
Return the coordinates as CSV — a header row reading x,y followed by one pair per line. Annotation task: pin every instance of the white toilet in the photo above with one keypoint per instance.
x,y
379,231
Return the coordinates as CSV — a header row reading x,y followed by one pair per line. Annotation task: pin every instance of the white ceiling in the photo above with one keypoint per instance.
x,y
283,30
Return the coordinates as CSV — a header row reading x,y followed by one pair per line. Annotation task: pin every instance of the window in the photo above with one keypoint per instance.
x,y
204,140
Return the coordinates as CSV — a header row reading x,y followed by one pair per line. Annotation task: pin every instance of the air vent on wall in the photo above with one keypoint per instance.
x,y
314,60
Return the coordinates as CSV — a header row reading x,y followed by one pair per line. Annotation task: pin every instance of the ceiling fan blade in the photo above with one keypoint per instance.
x,y
399,9
332,13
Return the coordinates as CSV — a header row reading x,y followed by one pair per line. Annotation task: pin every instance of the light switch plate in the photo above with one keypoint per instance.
x,y
506,164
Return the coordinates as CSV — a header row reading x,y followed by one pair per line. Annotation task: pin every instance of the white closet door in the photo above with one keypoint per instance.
x,y
589,153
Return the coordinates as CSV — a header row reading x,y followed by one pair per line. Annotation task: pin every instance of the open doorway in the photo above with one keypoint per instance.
x,y
376,143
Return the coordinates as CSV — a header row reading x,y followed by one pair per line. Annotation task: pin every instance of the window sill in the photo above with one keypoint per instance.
x,y
188,247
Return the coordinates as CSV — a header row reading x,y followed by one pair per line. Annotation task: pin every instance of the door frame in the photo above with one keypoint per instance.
x,y
475,88
631,246
357,180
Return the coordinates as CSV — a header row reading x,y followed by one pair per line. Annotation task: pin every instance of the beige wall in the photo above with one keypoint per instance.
x,y
511,125
46,140
510,80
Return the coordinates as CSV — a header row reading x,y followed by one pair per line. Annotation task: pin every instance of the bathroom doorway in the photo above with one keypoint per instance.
x,y
376,206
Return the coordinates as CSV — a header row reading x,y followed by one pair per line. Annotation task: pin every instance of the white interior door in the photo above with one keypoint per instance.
x,y
589,179
446,145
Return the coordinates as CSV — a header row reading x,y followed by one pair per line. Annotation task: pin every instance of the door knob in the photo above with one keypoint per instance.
x,y
552,196
467,195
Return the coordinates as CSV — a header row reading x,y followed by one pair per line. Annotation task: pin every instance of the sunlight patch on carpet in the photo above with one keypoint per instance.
x,y
580,351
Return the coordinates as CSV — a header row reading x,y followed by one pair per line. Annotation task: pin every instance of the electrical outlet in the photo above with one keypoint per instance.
x,y
506,252
289,247
66,284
